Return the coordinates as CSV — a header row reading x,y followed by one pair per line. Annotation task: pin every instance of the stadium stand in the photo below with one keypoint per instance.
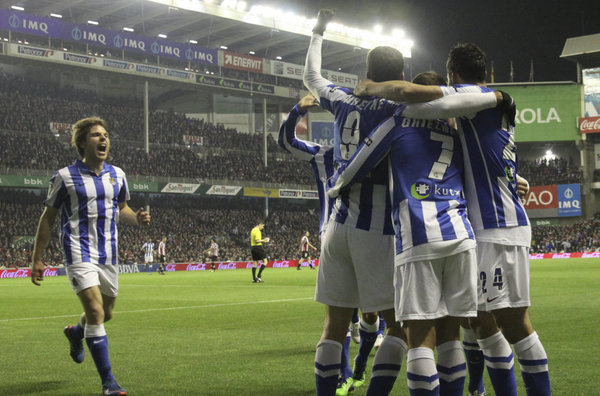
x,y
228,220
582,236
27,108
543,172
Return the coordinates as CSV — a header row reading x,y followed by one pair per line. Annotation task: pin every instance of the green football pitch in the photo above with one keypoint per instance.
x,y
205,333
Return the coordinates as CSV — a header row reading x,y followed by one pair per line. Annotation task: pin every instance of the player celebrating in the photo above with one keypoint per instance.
x,y
305,254
90,195
501,228
213,254
162,256
258,251
148,248
503,235
349,276
435,247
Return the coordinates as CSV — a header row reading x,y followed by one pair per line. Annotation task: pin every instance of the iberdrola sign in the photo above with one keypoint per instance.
x,y
545,112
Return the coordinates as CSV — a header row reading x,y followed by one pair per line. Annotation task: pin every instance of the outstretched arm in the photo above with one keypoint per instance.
x,y
312,77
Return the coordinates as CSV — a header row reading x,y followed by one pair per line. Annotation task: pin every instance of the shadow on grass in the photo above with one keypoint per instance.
x,y
34,387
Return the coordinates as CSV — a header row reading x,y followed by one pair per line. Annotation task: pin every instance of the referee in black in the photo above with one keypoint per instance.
x,y
258,251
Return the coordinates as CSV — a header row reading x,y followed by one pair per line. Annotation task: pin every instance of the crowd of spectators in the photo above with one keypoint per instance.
x,y
542,172
188,223
582,236
26,110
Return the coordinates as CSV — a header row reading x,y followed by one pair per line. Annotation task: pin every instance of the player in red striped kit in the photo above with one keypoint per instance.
x,y
304,253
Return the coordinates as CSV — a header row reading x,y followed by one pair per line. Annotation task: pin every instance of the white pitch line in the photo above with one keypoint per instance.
x,y
165,309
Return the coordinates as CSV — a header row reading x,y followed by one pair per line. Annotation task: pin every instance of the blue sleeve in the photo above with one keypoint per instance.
x,y
302,149
57,192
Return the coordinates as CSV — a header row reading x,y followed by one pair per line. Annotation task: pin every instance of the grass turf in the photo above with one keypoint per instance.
x,y
204,333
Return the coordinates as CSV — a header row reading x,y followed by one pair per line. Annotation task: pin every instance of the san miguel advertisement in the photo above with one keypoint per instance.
x,y
562,200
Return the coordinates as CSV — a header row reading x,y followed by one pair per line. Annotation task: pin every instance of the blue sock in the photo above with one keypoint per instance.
x,y
534,365
98,347
77,331
355,316
451,368
475,361
500,364
327,366
345,370
381,325
368,335
386,365
421,374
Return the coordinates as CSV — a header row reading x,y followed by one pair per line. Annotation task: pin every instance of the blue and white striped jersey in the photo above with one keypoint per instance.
x,y
426,171
89,206
148,248
366,206
491,166
320,158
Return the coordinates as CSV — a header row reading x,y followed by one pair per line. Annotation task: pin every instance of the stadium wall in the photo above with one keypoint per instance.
x,y
12,273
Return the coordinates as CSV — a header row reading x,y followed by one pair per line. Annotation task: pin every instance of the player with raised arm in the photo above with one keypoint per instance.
x,y
258,251
148,248
305,254
350,276
91,195
501,227
434,242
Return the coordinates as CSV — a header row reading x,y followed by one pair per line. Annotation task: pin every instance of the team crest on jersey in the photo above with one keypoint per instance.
x,y
421,189
112,181
509,172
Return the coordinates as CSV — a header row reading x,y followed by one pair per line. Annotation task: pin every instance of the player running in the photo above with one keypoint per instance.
x,y
91,195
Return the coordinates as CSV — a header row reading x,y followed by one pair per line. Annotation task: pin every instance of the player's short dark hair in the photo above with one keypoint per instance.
x,y
385,64
468,61
429,78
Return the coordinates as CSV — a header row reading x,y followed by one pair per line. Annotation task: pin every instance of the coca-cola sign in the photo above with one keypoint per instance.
x,y
14,273
589,125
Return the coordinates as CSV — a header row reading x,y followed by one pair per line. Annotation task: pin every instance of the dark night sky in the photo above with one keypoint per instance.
x,y
517,30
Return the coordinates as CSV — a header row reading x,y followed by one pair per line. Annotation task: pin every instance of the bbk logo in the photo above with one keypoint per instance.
x,y
33,182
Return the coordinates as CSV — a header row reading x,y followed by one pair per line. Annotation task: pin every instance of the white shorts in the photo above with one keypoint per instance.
x,y
356,269
148,259
432,289
503,280
85,275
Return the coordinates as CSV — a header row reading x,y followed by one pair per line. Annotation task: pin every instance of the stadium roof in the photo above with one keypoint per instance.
x,y
151,18
583,49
